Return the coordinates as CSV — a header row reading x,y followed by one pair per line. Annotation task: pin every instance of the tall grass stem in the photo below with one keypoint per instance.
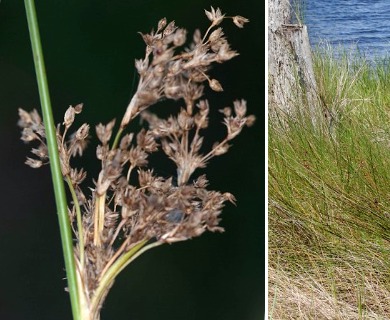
x,y
58,183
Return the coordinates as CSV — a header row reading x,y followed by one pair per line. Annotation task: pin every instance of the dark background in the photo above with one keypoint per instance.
x,y
89,49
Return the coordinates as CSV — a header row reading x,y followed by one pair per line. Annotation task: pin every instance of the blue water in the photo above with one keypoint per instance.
x,y
353,24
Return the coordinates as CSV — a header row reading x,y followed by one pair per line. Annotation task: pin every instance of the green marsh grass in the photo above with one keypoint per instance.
x,y
329,196
298,8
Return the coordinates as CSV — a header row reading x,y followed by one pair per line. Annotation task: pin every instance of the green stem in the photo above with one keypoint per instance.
x,y
58,183
117,137
117,267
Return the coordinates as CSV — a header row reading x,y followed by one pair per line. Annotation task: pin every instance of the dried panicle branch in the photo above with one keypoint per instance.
x,y
116,215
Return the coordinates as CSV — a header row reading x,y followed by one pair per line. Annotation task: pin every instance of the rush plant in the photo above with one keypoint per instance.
x,y
128,208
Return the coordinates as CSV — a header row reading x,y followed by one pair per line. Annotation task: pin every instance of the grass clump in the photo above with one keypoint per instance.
x,y
329,197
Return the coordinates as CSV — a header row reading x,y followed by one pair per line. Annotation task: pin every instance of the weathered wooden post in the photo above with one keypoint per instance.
x,y
291,78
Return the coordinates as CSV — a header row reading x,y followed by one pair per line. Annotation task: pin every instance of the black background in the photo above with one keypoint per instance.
x,y
89,49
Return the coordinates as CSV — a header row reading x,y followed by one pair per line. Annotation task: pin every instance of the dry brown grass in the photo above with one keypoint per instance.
x,y
303,296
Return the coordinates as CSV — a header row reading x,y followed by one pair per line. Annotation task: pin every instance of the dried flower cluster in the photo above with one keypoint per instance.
x,y
115,216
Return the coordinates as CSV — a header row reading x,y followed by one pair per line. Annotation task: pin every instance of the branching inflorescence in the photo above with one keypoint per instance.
x,y
116,220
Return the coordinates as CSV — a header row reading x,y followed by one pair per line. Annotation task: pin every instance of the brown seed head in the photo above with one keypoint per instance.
x,y
239,21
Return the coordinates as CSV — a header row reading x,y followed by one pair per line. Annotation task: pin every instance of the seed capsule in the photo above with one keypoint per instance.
x,y
174,216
